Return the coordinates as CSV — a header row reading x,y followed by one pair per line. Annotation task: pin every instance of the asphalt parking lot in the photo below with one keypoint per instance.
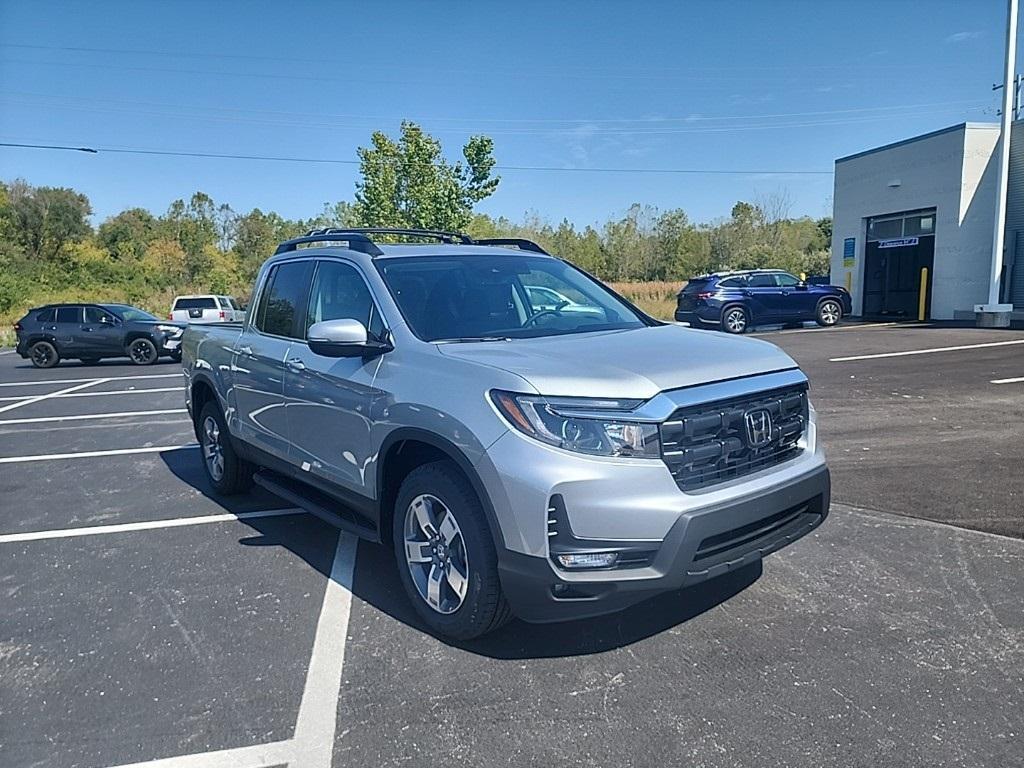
x,y
147,623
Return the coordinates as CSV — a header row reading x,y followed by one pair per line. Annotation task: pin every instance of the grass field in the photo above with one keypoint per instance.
x,y
657,298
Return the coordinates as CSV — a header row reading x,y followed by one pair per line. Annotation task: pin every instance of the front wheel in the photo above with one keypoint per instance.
x,y
829,313
446,557
44,354
142,352
735,320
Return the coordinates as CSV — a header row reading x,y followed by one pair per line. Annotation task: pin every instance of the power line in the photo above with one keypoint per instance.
x,y
338,161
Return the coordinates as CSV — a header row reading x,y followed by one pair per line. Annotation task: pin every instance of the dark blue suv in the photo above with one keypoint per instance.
x,y
735,301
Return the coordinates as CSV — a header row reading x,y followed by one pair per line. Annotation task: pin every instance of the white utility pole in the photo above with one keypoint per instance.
x,y
993,307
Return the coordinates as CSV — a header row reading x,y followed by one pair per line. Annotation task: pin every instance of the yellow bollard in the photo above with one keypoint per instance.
x,y
922,294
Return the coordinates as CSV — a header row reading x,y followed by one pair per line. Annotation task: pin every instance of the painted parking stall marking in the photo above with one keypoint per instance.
x,y
155,390
1017,380
96,454
40,398
933,350
43,382
88,416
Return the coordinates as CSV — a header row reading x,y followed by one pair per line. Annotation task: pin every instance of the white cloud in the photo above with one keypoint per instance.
x,y
962,37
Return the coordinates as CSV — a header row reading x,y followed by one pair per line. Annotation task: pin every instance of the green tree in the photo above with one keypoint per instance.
x,y
128,234
44,219
409,183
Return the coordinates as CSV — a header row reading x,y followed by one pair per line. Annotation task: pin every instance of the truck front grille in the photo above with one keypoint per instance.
x,y
713,442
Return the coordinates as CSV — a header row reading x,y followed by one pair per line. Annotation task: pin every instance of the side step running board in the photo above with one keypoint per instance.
x,y
316,503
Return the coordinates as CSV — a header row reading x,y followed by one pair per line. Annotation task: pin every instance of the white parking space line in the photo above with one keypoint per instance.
x,y
95,454
1017,380
38,398
258,756
7,352
926,351
313,743
81,417
150,525
10,398
40,382
318,711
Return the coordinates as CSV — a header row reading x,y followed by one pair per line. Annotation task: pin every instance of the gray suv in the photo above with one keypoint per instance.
x,y
523,456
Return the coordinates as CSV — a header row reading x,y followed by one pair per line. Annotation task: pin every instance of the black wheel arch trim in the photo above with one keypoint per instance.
x,y
454,453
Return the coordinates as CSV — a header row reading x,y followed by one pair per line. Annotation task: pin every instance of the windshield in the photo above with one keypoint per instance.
x,y
130,314
472,297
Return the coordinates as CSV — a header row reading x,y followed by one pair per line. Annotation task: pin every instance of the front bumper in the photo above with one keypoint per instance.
x,y
702,544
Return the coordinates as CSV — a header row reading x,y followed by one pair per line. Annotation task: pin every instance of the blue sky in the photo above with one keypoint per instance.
x,y
574,84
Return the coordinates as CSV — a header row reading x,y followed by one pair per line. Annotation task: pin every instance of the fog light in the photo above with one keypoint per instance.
x,y
588,560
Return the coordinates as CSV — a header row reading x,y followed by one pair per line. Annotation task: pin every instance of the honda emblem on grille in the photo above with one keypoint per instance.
x,y
759,427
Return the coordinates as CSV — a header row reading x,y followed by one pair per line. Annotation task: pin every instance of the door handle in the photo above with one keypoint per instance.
x,y
296,364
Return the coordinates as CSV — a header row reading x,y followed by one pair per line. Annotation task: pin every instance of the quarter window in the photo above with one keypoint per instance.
x,y
286,287
339,292
47,315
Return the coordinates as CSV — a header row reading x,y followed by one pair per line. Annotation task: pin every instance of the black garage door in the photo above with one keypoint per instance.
x,y
898,247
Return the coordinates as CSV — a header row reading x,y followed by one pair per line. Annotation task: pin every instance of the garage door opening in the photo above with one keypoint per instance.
x,y
898,247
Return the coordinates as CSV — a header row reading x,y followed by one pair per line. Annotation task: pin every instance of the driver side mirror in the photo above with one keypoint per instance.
x,y
344,338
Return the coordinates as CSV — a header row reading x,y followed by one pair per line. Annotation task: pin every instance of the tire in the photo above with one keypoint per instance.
x,y
431,493
142,351
230,474
44,354
89,360
829,313
735,319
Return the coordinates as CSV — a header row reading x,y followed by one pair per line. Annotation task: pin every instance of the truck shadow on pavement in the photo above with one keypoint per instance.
x,y
376,583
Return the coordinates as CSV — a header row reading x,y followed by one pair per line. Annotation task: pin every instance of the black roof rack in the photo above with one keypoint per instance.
x,y
519,242
358,239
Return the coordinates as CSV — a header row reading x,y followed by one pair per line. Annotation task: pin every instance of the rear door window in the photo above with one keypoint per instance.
x,y
279,307
69,314
762,281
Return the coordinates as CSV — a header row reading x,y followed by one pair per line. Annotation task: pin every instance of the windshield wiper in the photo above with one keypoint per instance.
x,y
470,339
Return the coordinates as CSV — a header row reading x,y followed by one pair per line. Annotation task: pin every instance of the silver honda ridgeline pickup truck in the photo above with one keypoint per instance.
x,y
529,442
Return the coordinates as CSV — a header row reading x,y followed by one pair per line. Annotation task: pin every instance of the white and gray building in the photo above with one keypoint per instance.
x,y
927,202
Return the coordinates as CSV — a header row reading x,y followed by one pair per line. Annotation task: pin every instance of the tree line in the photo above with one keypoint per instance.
x,y
50,250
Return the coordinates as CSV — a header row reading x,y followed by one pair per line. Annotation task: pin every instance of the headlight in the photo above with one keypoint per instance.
x,y
580,424
169,329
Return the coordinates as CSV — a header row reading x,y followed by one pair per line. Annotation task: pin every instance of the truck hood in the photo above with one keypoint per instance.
x,y
637,363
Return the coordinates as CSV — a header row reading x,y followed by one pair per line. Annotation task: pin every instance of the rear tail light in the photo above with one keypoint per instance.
x,y
19,327
170,315
705,295
222,315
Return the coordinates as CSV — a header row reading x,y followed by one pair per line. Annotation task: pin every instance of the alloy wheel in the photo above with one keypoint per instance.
x,y
830,313
736,320
213,451
41,355
435,553
141,352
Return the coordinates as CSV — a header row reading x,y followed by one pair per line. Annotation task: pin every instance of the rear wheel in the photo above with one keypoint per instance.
x,y
446,556
735,320
44,354
227,472
829,313
142,352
